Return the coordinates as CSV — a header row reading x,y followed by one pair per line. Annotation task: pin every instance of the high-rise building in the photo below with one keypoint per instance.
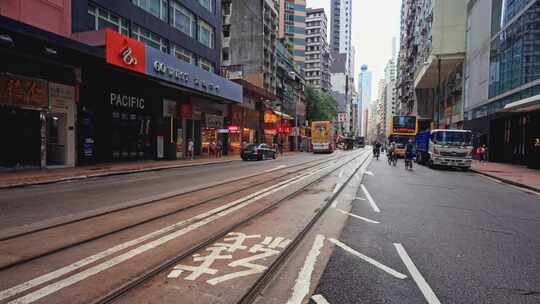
x,y
502,91
292,27
318,58
253,51
364,92
431,56
341,31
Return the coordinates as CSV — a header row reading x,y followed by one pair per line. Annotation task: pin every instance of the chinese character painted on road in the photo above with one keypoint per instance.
x,y
258,251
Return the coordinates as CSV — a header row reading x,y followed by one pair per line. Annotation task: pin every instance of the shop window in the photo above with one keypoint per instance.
x,y
206,65
103,19
157,8
207,4
206,34
183,54
149,38
182,19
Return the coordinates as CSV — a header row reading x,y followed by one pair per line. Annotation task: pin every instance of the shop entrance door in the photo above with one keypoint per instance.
x,y
56,139
20,134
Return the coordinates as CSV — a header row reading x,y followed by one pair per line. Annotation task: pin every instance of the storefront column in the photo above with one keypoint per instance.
x,y
43,136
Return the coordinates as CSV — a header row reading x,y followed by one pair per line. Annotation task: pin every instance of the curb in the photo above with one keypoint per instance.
x,y
111,173
508,181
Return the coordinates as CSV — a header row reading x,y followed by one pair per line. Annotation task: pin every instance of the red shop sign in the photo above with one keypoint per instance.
x,y
234,129
283,129
125,52
186,110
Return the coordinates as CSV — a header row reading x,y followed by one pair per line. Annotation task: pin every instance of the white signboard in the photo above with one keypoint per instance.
x,y
169,108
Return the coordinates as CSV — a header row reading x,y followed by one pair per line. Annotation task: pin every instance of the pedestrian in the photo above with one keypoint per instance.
x,y
212,149
190,148
219,148
483,153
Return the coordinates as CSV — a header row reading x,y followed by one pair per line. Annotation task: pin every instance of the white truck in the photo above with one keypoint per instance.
x,y
445,147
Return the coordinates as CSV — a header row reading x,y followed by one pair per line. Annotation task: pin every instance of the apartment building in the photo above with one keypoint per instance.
x,y
292,28
318,58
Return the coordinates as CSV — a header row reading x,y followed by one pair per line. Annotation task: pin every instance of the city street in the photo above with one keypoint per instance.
x,y
472,239
340,228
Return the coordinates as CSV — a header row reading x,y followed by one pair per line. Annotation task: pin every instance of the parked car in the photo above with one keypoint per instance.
x,y
258,152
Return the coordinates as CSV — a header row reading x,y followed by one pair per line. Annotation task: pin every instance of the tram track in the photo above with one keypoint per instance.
x,y
75,225
250,295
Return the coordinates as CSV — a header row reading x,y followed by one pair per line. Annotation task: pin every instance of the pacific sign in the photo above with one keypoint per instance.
x,y
131,54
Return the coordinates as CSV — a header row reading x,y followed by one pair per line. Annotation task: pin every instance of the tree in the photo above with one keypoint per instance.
x,y
320,105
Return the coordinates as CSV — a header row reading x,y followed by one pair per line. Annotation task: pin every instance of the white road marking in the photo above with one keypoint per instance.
x,y
359,198
319,299
358,217
370,199
369,260
417,276
276,168
301,287
205,218
370,173
335,203
336,188
340,173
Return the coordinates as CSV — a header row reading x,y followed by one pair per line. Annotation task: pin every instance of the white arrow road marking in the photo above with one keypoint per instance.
x,y
301,287
417,276
370,199
204,219
335,203
276,168
369,260
358,217
319,299
370,173
340,173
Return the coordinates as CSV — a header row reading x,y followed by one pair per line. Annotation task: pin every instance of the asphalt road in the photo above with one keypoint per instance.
x,y
473,240
27,205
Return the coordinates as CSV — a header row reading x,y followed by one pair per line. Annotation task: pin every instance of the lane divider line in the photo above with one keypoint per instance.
x,y
303,281
319,299
417,276
358,217
203,219
384,268
370,199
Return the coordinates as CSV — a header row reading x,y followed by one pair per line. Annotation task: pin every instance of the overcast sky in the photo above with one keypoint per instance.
x,y
375,22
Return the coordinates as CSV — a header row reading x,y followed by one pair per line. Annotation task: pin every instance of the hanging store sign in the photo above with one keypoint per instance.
x,y
61,96
186,110
169,108
24,91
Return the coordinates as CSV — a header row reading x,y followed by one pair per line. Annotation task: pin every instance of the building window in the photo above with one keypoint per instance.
x,y
182,19
149,38
206,34
157,8
206,4
206,65
104,19
182,53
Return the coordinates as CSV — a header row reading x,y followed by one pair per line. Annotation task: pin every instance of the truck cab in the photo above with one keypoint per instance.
x,y
445,147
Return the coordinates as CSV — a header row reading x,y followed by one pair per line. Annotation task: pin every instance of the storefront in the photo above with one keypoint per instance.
x,y
151,107
243,127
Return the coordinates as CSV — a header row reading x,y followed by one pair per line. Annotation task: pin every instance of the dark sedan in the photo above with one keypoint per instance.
x,y
258,152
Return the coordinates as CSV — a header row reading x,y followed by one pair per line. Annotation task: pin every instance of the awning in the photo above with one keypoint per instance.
x,y
283,115
524,105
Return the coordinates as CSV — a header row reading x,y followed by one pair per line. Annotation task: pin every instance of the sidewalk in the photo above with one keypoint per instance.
x,y
512,174
12,179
